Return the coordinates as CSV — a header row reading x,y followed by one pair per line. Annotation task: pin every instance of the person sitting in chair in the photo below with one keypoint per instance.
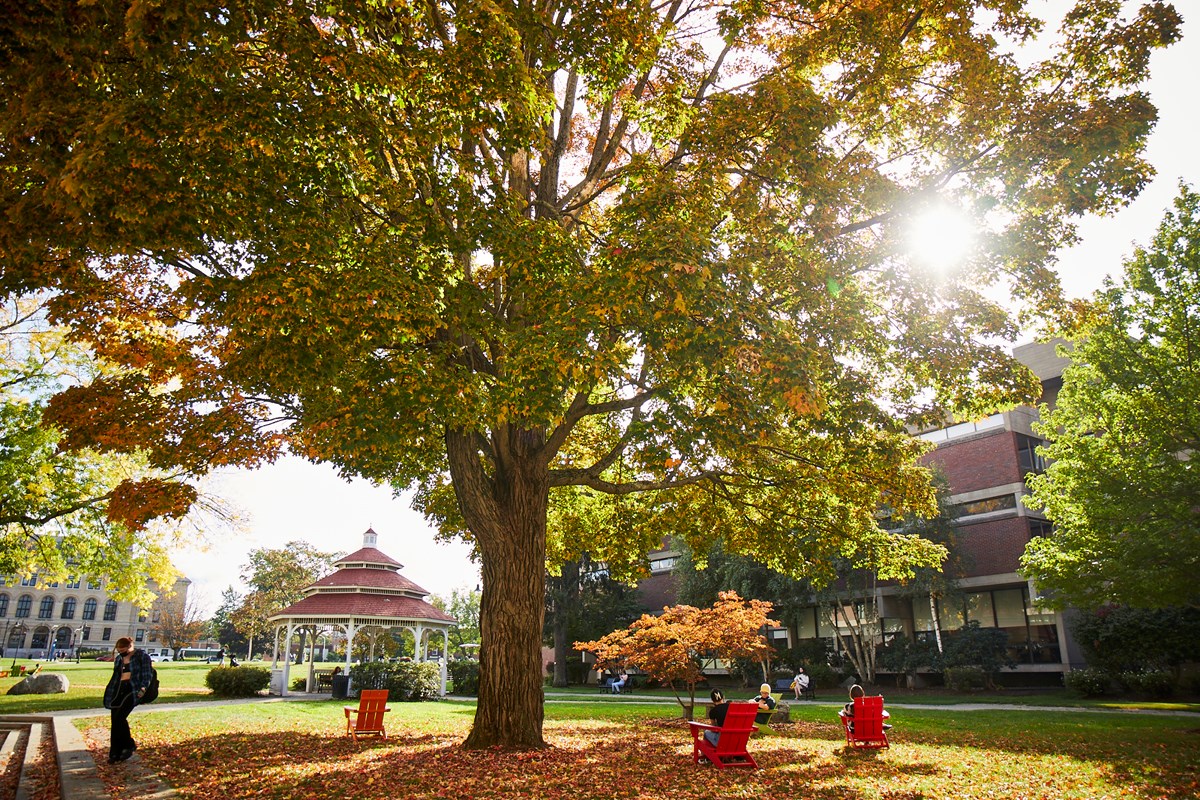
x,y
848,709
716,715
766,704
620,682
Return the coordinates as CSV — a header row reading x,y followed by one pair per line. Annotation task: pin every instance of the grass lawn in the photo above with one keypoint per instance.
x,y
931,697
642,751
179,682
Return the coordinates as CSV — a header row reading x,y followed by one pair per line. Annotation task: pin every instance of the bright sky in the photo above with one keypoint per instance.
x,y
295,500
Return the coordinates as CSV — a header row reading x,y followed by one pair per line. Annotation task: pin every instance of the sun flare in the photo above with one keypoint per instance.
x,y
940,238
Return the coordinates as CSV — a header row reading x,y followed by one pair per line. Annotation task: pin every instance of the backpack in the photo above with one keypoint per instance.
x,y
151,693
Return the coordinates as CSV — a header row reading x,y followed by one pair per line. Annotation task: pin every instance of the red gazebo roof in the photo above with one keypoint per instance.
x,y
366,583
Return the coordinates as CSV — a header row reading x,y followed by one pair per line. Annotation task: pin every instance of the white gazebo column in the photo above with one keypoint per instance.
x,y
275,648
419,649
351,629
287,659
445,657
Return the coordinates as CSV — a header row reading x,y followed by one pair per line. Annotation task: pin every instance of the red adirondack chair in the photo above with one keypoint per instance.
x,y
865,728
367,718
730,750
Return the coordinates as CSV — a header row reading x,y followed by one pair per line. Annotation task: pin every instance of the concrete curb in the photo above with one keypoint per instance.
x,y
76,767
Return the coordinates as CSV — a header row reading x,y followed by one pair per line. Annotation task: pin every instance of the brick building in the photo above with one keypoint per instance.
x,y
985,463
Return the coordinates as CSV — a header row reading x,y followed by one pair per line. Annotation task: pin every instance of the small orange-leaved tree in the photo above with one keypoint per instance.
x,y
670,647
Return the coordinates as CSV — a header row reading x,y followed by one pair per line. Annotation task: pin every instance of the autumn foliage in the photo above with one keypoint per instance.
x,y
653,253
670,647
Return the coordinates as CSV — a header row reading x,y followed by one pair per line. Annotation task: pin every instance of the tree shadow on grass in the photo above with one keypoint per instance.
x,y
1153,752
588,759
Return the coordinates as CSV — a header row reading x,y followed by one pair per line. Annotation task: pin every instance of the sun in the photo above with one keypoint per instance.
x,y
940,238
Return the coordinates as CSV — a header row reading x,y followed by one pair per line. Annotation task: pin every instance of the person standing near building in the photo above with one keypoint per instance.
x,y
132,672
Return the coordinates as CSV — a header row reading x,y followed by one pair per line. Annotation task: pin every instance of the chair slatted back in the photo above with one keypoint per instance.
x,y
371,705
739,724
868,717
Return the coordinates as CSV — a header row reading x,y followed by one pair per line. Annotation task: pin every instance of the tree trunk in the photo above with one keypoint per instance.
x,y
561,650
506,512
565,601
937,627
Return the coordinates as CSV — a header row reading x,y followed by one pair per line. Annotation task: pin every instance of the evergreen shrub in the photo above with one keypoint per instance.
x,y
404,680
1088,682
464,673
237,681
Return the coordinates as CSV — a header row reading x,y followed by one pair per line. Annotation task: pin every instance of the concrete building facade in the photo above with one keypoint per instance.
x,y
40,619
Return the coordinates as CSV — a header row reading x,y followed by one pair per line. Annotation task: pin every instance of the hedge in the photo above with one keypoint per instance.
x,y
404,680
237,681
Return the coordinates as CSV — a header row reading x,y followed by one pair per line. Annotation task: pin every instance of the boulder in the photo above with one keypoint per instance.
x,y
42,683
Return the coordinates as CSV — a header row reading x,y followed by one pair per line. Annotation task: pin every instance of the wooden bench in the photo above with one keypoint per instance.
x,y
626,689
784,686
324,679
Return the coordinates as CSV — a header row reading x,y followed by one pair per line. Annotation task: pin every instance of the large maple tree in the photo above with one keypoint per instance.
x,y
648,251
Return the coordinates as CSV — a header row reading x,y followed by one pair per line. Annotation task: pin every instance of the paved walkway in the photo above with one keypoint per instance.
x,y
81,780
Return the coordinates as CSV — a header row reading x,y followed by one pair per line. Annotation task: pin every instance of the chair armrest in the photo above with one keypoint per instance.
x,y
703,725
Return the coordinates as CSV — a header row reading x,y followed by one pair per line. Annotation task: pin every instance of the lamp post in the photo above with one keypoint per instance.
x,y
19,628
75,642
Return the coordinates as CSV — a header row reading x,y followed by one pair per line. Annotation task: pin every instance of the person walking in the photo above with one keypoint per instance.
x,y
132,673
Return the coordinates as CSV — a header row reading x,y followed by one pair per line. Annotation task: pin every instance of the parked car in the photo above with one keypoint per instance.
x,y
159,657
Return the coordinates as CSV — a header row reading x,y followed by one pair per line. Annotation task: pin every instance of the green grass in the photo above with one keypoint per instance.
x,y
1038,698
639,750
180,682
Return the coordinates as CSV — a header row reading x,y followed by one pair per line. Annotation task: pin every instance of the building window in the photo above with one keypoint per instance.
x,y
89,608
1040,527
979,609
30,581
154,636
3,605
46,609
41,639
141,616
87,632
24,605
68,608
987,505
663,564
1027,458
73,582
139,635
95,583
110,611
106,635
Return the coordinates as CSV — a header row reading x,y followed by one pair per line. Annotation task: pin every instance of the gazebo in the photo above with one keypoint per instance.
x,y
366,590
